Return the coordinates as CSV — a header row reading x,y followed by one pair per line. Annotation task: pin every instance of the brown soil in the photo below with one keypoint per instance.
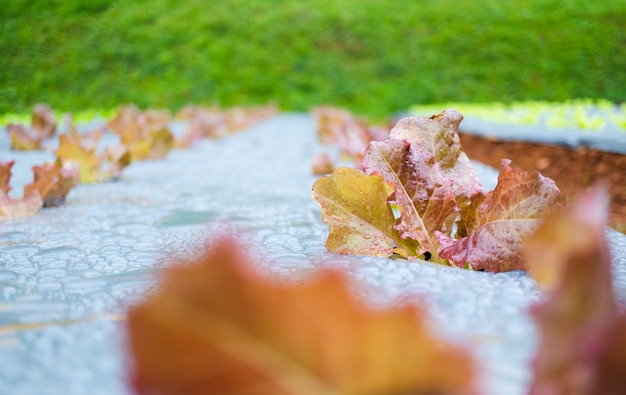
x,y
572,170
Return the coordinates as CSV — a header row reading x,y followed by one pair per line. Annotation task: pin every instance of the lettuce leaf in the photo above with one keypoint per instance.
x,y
32,200
443,213
439,135
64,180
43,126
582,330
354,206
422,193
343,129
146,134
78,151
504,219
218,326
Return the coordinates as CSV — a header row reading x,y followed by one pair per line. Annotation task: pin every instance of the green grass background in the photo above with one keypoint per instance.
x,y
374,57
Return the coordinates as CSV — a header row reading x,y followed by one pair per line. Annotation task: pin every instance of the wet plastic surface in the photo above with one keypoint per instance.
x,y
68,274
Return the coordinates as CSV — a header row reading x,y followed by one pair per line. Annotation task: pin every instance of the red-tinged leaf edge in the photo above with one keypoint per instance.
x,y
503,221
64,179
582,330
422,193
32,200
490,228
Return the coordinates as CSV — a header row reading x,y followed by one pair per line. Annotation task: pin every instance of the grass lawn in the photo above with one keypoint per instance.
x,y
374,57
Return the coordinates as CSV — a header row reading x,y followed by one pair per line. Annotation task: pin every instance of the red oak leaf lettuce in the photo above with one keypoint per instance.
x,y
351,134
215,122
422,193
443,213
439,135
32,200
78,151
503,220
43,122
583,333
145,133
64,180
43,126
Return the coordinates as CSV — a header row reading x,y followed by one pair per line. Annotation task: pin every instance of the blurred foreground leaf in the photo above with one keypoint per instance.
x,y
219,327
583,333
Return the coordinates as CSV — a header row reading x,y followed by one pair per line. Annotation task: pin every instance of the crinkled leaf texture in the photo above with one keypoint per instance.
x,y
503,220
583,335
439,135
219,327
433,187
354,206
422,193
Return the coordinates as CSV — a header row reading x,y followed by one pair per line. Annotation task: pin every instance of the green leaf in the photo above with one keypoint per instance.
x,y
354,206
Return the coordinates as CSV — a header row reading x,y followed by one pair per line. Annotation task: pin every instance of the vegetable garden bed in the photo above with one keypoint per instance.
x,y
69,274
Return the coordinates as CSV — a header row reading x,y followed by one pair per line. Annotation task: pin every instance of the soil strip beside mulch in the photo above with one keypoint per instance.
x,y
573,170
